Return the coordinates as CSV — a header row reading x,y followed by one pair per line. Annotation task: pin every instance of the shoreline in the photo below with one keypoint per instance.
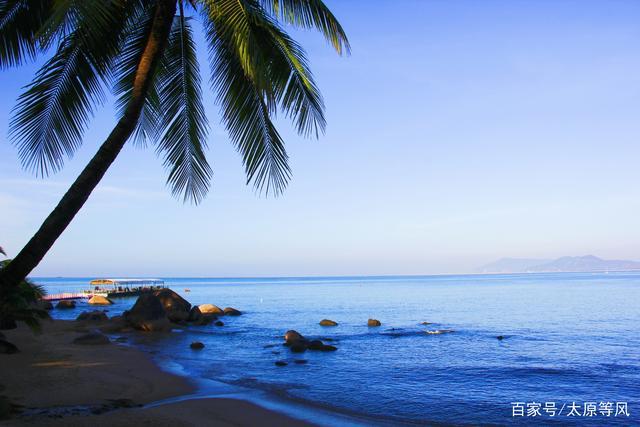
x,y
59,383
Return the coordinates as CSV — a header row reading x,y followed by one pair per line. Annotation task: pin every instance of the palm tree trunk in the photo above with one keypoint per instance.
x,y
79,192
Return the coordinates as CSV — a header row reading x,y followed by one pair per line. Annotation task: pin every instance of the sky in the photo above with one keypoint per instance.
x,y
458,132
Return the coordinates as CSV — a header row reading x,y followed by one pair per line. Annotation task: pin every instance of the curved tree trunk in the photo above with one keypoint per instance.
x,y
79,192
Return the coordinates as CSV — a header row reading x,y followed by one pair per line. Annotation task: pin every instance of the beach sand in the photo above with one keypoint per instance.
x,y
51,372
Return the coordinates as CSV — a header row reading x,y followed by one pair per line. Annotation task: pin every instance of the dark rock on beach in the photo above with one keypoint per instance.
x,y
373,323
327,322
43,305
92,316
66,304
230,311
197,345
148,314
176,307
8,348
92,338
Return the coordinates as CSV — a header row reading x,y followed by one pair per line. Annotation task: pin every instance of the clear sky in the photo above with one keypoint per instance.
x,y
458,132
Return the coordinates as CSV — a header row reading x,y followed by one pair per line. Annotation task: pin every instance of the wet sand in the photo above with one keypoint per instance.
x,y
59,383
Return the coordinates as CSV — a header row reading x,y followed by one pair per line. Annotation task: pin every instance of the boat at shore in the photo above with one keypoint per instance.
x,y
115,288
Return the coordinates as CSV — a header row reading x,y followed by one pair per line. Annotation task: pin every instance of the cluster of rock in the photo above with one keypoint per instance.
x,y
299,344
158,310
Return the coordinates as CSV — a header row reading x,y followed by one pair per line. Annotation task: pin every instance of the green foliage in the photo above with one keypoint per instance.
x,y
257,69
20,304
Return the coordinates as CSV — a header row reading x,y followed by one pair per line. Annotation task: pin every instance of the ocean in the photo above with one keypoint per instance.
x,y
570,342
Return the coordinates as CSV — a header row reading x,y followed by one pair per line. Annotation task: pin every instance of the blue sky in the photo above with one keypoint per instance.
x,y
458,132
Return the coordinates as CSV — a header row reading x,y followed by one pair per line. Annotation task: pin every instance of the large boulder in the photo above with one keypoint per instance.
x,y
373,323
148,314
7,348
66,304
327,322
291,337
92,316
230,311
211,309
195,315
92,338
99,300
176,307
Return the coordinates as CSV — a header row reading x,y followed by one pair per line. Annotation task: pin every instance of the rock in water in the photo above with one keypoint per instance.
x,y
300,361
292,336
92,316
92,338
281,363
100,300
219,323
298,347
176,307
211,309
328,348
500,337
8,348
197,345
148,314
66,304
315,345
230,311
195,315
327,322
373,323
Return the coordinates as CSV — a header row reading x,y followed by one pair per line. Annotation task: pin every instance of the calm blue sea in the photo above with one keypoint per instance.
x,y
572,340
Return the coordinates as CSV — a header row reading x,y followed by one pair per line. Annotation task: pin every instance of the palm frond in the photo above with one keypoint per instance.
x,y
182,116
51,115
247,89
20,23
310,14
137,30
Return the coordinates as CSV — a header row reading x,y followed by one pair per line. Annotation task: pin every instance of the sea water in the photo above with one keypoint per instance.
x,y
571,341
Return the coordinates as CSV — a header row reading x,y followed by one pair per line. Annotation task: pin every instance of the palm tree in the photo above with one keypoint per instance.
x,y
144,50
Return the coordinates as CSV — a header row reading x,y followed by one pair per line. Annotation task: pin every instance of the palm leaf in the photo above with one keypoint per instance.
x,y
243,78
310,14
51,115
135,36
182,116
20,22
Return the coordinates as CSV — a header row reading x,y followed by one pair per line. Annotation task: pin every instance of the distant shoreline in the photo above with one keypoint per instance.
x,y
349,277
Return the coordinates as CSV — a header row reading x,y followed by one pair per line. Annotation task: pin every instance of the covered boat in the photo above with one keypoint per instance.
x,y
113,288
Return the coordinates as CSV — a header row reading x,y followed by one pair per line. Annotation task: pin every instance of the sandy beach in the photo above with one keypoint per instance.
x,y
56,382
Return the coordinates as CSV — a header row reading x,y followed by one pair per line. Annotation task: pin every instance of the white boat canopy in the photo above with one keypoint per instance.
x,y
127,282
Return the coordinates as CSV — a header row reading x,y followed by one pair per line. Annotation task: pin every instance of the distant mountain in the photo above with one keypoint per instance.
x,y
511,265
576,264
